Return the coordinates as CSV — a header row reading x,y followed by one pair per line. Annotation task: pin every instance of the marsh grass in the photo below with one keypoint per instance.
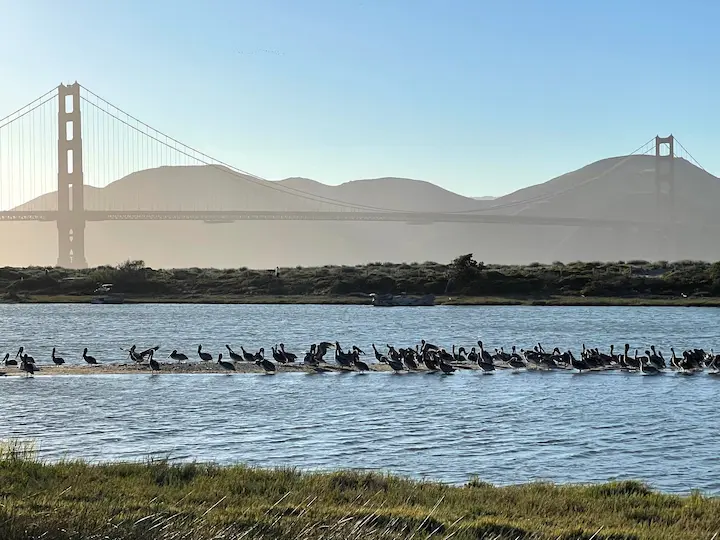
x,y
195,501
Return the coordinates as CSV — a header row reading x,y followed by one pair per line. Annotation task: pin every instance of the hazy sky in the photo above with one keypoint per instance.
x,y
479,97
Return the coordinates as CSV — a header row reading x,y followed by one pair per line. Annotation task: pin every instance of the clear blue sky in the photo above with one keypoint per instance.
x,y
479,97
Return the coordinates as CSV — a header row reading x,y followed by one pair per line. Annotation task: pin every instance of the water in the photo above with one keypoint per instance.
x,y
505,428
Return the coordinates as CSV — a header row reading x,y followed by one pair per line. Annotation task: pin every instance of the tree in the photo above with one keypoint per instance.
x,y
465,269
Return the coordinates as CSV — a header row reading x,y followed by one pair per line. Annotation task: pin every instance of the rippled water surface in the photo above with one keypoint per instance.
x,y
504,428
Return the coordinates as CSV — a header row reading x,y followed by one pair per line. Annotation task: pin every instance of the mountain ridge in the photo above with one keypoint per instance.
x,y
611,188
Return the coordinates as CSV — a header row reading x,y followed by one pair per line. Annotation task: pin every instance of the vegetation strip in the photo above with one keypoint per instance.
x,y
464,281
161,500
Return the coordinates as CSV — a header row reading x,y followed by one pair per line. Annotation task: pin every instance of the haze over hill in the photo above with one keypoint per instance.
x,y
612,188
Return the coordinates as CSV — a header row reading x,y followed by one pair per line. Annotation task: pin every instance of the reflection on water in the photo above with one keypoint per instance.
x,y
504,428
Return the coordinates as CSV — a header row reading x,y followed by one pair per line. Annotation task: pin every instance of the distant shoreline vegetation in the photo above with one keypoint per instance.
x,y
463,281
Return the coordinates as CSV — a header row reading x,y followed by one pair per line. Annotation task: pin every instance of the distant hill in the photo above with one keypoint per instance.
x,y
610,188
617,188
215,187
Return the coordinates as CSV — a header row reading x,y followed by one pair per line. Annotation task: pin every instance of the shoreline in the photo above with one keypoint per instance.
x,y
555,301
159,499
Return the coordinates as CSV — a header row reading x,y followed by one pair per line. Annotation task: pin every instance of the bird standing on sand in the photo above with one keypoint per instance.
x,y
89,359
56,359
154,364
28,359
225,364
205,357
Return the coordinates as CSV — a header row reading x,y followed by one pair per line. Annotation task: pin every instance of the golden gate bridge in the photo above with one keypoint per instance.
x,y
70,138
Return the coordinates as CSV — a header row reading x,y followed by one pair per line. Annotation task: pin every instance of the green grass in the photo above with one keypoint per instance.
x,y
197,501
464,281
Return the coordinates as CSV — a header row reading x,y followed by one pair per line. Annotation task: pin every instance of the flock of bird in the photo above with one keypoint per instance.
x,y
424,357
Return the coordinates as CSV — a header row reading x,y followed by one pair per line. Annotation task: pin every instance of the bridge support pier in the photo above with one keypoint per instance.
x,y
70,193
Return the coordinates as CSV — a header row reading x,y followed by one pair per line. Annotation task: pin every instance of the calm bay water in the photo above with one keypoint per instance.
x,y
505,428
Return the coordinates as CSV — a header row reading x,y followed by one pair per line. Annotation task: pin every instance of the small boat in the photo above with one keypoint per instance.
x,y
106,295
389,300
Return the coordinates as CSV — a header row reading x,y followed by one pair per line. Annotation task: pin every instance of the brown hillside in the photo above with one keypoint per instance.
x,y
615,187
217,188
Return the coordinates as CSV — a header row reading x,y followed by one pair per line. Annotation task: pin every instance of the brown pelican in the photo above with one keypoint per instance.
x,y
28,359
278,356
177,356
290,357
233,355
225,364
135,356
581,365
28,367
10,361
343,358
645,368
154,364
266,364
485,360
359,364
89,359
445,367
205,357
379,357
56,359
248,357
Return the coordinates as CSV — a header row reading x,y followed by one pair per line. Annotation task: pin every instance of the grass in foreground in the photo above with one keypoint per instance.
x,y
158,500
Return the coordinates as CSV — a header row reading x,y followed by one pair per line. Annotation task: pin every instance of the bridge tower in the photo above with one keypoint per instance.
x,y
665,170
70,193
665,196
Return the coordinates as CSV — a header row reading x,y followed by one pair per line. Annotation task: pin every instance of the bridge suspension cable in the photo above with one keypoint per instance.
x,y
28,153
686,154
200,157
541,198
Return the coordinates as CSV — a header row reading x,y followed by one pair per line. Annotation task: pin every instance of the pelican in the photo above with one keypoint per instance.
x,y
56,359
28,367
278,356
203,355
235,357
154,364
10,361
288,355
248,357
359,364
89,359
266,364
177,356
646,369
28,359
225,364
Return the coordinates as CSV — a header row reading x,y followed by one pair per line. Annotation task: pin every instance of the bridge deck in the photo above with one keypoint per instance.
x,y
403,217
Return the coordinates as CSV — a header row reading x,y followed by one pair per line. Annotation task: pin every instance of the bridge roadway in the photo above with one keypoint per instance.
x,y
416,218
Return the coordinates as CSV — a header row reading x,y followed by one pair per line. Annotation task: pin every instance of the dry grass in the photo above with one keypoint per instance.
x,y
159,500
